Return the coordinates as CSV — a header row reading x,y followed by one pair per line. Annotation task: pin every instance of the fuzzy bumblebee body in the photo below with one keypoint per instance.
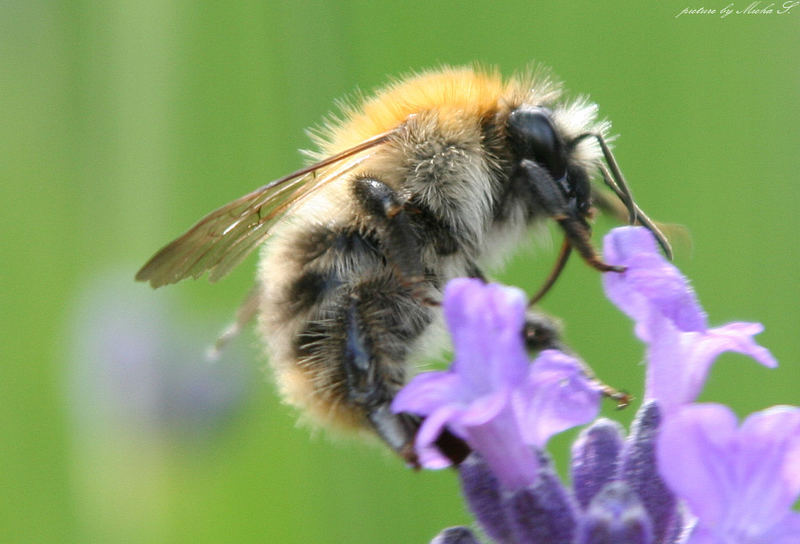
x,y
432,178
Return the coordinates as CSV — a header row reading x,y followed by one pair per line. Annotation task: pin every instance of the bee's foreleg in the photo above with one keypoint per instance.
x,y
552,199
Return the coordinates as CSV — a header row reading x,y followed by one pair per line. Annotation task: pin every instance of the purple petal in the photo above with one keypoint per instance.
x,y
770,459
431,458
622,243
670,379
428,391
785,531
473,398
487,426
737,337
439,397
500,443
692,458
650,283
679,361
485,322
433,425
556,396
700,535
484,409
739,482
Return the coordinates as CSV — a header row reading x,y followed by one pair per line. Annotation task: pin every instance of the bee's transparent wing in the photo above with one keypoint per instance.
x,y
223,238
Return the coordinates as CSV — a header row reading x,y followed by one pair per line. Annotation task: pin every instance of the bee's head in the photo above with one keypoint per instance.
x,y
533,136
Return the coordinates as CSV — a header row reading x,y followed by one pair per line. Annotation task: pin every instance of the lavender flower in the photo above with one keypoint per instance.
x,y
492,396
618,496
455,535
680,346
740,482
132,368
616,516
507,408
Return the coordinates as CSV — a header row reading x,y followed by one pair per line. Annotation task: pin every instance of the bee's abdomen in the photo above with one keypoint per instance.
x,y
342,328
328,258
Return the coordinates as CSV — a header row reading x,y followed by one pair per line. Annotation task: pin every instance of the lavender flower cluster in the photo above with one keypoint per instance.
x,y
686,472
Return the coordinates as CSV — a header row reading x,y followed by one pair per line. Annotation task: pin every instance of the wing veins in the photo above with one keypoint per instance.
x,y
252,231
221,239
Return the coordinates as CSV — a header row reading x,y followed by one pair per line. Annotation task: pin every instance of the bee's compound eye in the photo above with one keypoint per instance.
x,y
532,136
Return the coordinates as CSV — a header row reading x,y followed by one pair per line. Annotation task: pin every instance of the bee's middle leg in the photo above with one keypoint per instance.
x,y
400,244
542,332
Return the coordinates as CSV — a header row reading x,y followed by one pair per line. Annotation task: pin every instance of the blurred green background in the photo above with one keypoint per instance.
x,y
125,121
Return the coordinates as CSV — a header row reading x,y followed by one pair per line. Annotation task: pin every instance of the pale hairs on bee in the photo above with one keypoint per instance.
x,y
433,177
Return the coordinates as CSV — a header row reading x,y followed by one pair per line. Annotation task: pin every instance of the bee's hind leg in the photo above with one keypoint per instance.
x,y
398,430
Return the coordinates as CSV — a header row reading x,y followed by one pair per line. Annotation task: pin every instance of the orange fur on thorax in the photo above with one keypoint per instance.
x,y
451,92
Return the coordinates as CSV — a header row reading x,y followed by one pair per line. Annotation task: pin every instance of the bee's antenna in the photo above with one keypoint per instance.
x,y
616,182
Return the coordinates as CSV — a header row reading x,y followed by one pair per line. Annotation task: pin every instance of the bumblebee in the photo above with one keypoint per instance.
x,y
433,177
